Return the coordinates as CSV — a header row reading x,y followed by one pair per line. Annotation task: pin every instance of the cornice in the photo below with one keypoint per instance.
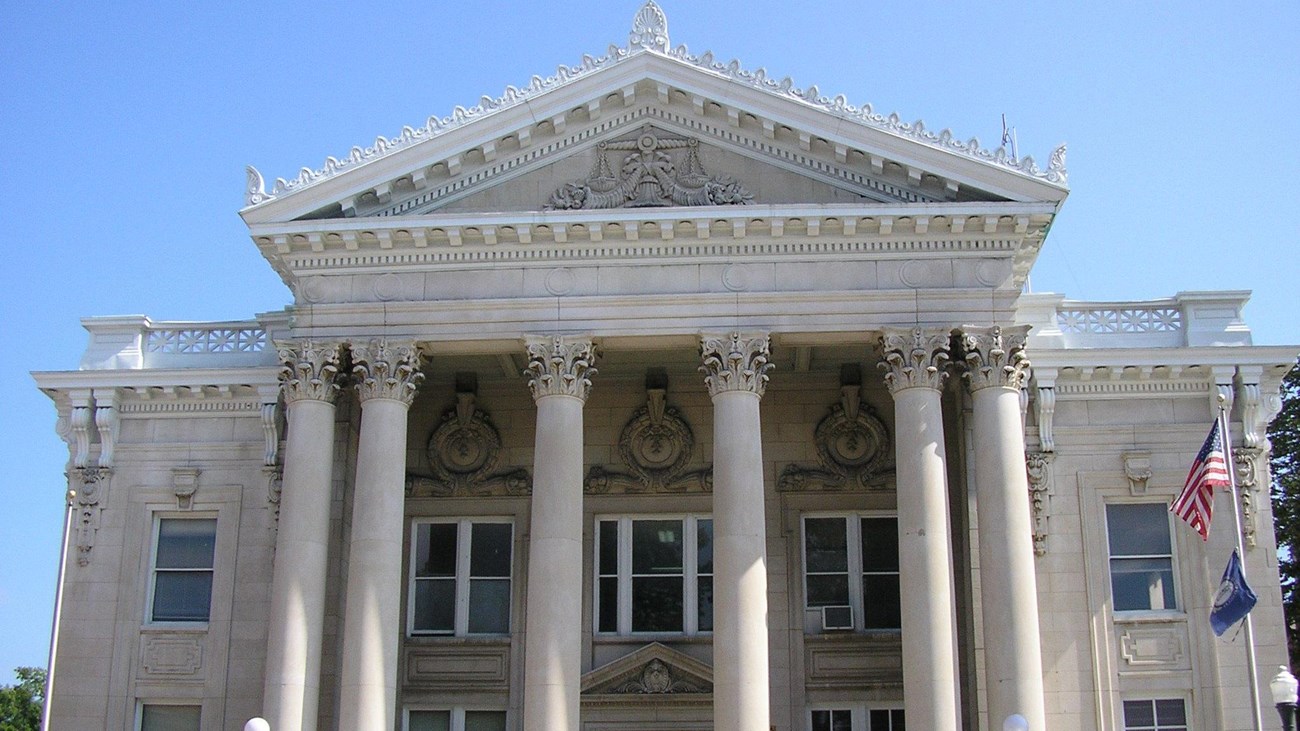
x,y
1144,362
732,76
190,382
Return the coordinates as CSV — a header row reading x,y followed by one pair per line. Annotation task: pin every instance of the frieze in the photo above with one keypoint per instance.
x,y
648,178
853,449
463,453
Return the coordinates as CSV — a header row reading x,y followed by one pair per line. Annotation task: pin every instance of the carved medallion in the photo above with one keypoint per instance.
x,y
656,445
649,177
853,449
463,451
657,677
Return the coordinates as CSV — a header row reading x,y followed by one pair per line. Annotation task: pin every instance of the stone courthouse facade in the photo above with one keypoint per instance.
x,y
661,394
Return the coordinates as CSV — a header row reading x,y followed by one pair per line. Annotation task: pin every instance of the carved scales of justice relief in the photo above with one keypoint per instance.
x,y
463,453
649,178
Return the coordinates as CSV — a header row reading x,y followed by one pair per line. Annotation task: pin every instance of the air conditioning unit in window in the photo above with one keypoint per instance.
x,y
837,618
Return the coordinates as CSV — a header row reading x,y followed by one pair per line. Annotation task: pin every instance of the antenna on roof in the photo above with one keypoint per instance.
x,y
1009,138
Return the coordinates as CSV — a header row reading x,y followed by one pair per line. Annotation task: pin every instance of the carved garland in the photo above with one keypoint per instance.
x,y
649,178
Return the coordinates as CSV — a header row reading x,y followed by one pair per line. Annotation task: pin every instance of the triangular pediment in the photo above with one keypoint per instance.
x,y
513,152
653,670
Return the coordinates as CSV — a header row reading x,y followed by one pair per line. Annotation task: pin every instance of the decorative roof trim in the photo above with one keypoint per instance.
x,y
650,35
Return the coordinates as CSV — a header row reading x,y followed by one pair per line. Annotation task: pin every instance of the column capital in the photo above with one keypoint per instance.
x,y
387,370
995,356
308,370
560,366
735,362
915,358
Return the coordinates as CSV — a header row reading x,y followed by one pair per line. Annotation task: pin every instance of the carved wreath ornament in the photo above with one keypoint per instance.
x,y
853,449
463,452
649,178
656,445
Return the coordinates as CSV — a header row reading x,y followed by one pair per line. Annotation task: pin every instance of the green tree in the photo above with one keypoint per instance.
x,y
20,705
1284,433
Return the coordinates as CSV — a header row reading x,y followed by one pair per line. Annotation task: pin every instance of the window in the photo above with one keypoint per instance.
x,y
155,717
455,719
857,718
460,575
851,562
1141,557
182,569
654,575
1166,714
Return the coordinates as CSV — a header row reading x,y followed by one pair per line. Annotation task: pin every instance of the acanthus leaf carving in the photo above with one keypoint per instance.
x,y
1038,468
995,356
649,29
309,370
560,366
1247,462
735,362
648,178
90,491
387,370
915,358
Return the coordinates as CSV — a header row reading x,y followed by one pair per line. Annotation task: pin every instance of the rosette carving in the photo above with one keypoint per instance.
x,y
387,370
853,449
995,357
915,358
308,371
735,362
558,366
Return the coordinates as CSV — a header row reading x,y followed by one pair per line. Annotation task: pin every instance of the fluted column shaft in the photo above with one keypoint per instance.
x,y
735,368
291,692
559,371
914,362
1013,664
388,375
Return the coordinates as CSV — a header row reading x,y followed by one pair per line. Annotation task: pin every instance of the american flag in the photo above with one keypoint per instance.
x,y
1196,502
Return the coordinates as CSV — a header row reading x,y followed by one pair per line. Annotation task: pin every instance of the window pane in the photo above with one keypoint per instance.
x,y
169,718
182,596
430,721
826,544
657,547
489,606
832,590
705,597
435,550
881,601
608,547
1138,530
609,604
657,604
1138,714
841,721
485,721
435,605
1171,711
821,721
879,544
704,543
489,553
1142,583
186,544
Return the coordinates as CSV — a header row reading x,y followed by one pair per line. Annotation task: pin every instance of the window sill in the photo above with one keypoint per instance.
x,y
470,640
1150,616
197,628
648,637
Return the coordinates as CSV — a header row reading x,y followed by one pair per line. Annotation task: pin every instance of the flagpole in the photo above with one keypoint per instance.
x,y
1241,553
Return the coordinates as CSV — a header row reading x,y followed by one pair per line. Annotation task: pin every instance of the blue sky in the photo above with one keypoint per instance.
x,y
129,126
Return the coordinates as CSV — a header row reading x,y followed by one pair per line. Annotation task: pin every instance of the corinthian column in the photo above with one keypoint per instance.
x,y
387,376
1013,664
914,363
293,644
735,370
559,376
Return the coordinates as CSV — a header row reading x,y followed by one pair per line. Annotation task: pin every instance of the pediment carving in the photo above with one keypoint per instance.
x,y
653,670
854,451
654,171
656,445
463,452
